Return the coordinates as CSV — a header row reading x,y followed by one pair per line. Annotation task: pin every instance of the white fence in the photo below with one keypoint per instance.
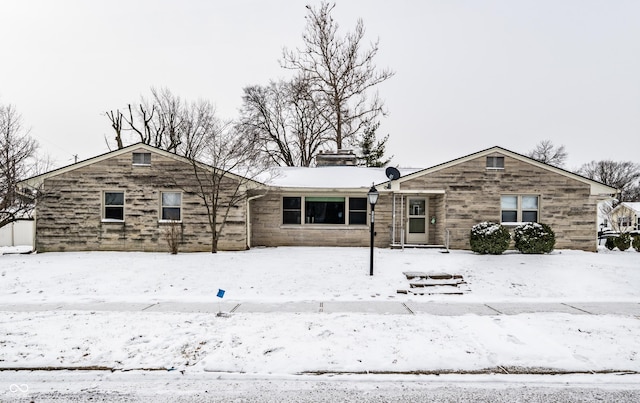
x,y
17,233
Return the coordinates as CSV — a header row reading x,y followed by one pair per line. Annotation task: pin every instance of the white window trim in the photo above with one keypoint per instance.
x,y
519,209
164,221
138,164
492,168
104,207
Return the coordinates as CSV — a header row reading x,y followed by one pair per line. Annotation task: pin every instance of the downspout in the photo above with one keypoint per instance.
x,y
249,199
33,233
402,221
393,218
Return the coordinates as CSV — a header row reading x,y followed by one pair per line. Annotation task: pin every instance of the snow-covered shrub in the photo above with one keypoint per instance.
x,y
610,243
623,241
534,238
489,238
636,243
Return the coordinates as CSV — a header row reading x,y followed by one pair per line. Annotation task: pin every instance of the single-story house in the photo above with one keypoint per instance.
x,y
125,199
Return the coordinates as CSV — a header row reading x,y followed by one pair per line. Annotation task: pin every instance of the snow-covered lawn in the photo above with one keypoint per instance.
x,y
287,343
283,343
322,274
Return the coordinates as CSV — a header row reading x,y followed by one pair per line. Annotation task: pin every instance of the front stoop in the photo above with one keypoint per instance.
x,y
421,283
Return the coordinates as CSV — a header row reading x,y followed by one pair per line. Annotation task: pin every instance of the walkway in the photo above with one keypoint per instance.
x,y
370,307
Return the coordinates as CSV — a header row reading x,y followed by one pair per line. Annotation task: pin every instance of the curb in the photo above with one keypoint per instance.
x,y
483,371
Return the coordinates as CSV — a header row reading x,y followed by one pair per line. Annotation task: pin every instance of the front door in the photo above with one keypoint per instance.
x,y
417,220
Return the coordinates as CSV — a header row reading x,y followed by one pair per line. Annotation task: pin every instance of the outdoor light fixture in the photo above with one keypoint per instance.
x,y
373,199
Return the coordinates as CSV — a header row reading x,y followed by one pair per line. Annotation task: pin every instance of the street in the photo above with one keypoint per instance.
x,y
173,386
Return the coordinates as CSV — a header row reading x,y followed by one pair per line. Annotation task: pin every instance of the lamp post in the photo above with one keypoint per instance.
x,y
373,199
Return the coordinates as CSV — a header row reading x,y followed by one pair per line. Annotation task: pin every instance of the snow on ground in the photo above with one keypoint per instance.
x,y
282,343
290,343
323,274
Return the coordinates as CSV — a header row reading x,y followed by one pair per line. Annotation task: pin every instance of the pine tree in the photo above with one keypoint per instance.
x,y
371,150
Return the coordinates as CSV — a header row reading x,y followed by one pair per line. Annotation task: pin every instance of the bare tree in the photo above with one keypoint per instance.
x,y
633,194
157,121
116,124
285,121
223,164
545,151
623,176
223,161
339,71
18,161
167,127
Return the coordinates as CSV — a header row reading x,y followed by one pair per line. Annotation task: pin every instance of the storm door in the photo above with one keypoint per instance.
x,y
417,220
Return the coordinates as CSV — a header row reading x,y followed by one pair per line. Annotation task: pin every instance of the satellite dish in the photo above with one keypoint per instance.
x,y
392,173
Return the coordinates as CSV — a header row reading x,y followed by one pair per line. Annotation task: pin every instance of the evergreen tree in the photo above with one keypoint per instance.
x,y
371,150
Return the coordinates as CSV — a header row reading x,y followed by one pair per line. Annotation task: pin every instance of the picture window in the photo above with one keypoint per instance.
x,y
324,210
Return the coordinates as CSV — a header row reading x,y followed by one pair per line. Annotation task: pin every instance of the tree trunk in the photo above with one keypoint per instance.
x,y
214,243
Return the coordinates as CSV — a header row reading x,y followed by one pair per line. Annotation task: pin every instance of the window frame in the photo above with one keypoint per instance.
x,y
143,163
162,207
351,210
519,209
625,221
326,205
495,165
299,210
304,220
104,217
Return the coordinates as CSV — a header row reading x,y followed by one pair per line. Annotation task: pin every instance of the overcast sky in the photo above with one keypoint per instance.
x,y
469,74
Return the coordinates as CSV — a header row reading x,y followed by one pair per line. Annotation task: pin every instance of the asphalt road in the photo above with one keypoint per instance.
x,y
171,387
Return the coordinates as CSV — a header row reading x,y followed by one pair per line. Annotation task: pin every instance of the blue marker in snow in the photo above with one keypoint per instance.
x,y
220,294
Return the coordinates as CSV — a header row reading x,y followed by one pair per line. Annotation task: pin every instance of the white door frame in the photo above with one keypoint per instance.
x,y
417,213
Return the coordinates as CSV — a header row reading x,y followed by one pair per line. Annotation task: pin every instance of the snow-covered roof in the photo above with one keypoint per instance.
x,y
329,177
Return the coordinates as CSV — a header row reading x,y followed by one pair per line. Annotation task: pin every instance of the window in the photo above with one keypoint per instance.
x,y
529,208
358,210
519,209
495,162
291,210
624,221
324,210
141,158
171,206
113,206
